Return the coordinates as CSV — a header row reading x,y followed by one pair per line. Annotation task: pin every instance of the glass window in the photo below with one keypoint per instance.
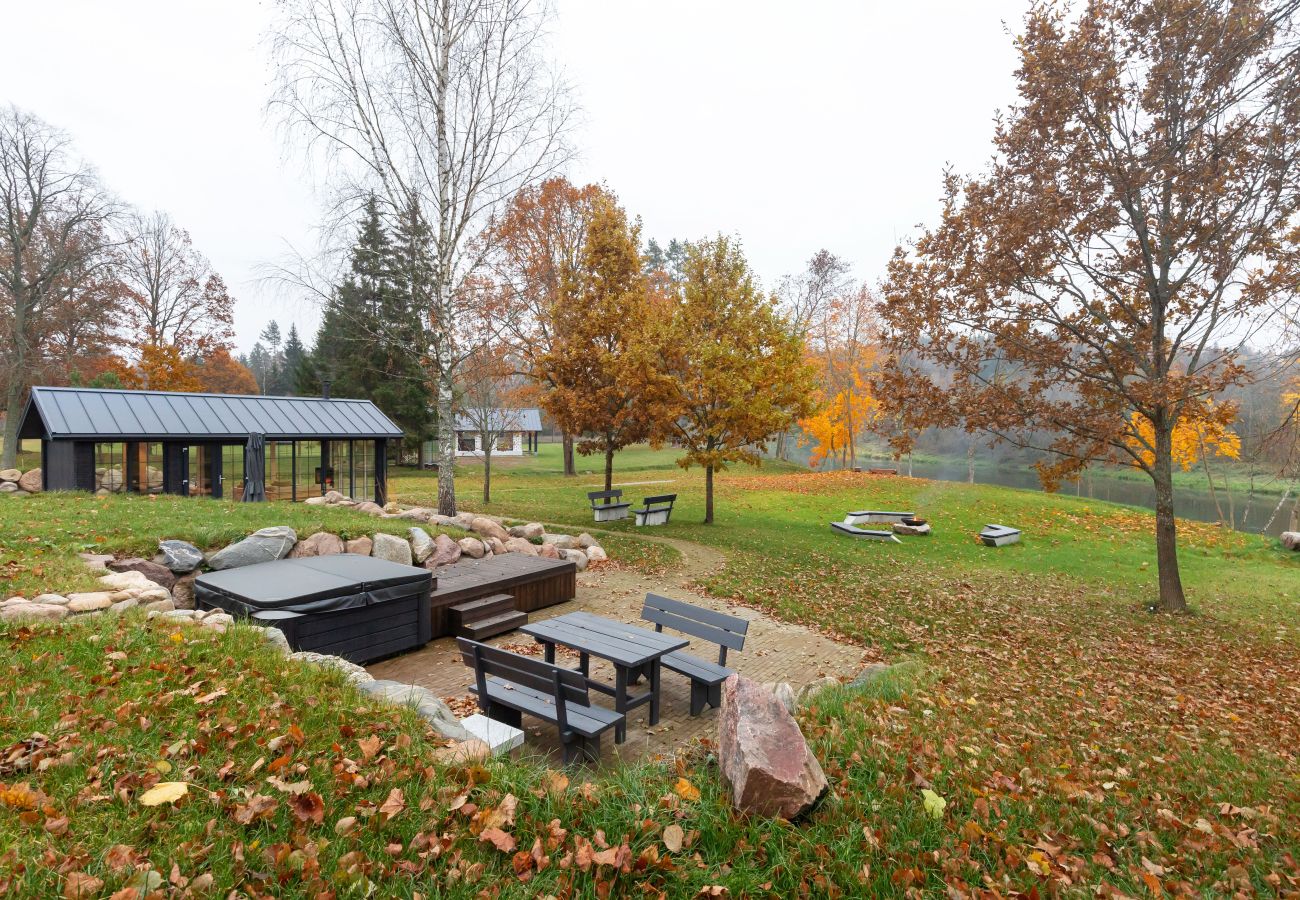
x,y
279,470
144,468
200,470
363,468
506,442
232,471
308,482
110,468
466,443
339,473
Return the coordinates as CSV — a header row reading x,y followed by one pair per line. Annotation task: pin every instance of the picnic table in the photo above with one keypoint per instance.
x,y
632,651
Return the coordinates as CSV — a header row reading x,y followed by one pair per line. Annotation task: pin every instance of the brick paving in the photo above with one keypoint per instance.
x,y
774,651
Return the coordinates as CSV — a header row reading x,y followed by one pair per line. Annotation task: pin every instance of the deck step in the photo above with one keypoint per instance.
x,y
491,627
470,611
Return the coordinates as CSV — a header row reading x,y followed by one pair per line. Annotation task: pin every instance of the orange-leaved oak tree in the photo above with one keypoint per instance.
x,y
1134,231
601,361
734,372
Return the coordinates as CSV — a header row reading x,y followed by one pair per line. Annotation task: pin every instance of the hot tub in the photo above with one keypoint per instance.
x,y
356,607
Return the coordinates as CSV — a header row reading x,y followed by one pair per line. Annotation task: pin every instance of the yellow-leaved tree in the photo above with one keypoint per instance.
x,y
1196,438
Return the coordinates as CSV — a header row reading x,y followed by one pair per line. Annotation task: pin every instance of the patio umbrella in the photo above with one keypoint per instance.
x,y
255,469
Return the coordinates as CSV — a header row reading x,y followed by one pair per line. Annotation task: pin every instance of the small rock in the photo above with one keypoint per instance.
x,y
519,545
446,551
30,481
183,591
360,546
531,530
392,548
439,519
153,595
472,750
353,672
422,545
97,562
8,487
217,618
463,520
14,601
561,541
264,545
10,474
872,672
32,611
175,615
160,605
1291,540
51,599
585,540
577,557
322,543
809,691
315,501
158,574
548,551
596,553
369,507
496,546
415,514
130,580
783,692
122,606
472,547
332,497
275,637
180,556
89,602
763,755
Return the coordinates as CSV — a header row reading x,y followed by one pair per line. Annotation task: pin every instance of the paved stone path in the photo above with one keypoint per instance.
x,y
774,651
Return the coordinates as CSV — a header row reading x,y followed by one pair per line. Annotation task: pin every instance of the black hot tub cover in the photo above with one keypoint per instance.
x,y
313,584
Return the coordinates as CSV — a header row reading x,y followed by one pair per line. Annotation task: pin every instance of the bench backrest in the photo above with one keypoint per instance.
x,y
661,500
728,632
607,496
563,685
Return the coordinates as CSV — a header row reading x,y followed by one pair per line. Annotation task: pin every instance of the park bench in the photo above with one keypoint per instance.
x,y
508,685
656,510
999,535
607,506
728,632
874,516
866,533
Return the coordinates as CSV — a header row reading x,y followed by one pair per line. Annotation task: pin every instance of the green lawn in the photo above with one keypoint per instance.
x,y
1083,745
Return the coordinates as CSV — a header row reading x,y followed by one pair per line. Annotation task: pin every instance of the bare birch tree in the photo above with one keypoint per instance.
x,y
53,218
443,106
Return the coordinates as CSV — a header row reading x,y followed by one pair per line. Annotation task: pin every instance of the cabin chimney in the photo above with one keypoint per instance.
x,y
324,390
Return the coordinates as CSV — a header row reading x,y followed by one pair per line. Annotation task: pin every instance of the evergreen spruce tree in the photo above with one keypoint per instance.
x,y
295,355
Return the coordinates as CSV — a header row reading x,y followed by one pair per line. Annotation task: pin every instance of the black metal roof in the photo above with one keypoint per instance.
x,y
72,413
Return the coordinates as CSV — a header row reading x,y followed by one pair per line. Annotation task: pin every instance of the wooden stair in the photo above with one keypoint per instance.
x,y
486,617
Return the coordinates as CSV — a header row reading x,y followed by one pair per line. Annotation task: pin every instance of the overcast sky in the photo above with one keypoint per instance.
x,y
794,126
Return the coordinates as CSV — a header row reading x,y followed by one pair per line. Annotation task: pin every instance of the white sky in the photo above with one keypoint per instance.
x,y
793,125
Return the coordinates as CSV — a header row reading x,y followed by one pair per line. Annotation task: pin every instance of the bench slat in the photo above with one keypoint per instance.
x,y
718,636
696,669
587,721
698,613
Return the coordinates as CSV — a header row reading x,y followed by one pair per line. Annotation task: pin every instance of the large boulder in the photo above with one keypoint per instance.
x,y
180,556
30,481
24,612
183,591
130,580
577,557
496,546
391,548
10,474
445,552
8,487
519,545
360,546
158,574
422,700
596,553
92,601
422,545
1291,540
548,551
763,755
322,543
585,540
531,530
472,547
261,546
561,541
369,507
488,528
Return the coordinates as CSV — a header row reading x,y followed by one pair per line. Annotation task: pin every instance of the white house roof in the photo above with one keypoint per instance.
x,y
529,419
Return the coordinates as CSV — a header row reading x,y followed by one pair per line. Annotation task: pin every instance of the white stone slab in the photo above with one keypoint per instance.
x,y
500,737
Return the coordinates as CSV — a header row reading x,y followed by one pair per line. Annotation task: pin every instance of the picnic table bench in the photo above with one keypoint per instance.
x,y
508,685
655,510
633,651
608,506
873,534
728,632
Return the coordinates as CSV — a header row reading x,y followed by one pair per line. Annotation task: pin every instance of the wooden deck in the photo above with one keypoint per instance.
x,y
534,581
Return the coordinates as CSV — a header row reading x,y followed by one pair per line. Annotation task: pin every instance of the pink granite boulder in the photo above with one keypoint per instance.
x,y
763,755
155,572
519,545
322,543
360,546
445,552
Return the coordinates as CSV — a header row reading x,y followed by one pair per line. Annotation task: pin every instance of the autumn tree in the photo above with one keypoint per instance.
x,y
443,107
487,401
1135,229
176,297
161,367
602,359
538,242
55,240
840,334
218,372
733,374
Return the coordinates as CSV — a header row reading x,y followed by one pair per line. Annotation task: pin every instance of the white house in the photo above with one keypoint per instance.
x,y
517,432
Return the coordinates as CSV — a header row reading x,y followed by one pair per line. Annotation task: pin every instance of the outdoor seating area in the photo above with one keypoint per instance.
x,y
870,534
608,506
655,510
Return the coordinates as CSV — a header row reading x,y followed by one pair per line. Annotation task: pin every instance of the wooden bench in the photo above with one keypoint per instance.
x,y
509,685
728,632
656,510
607,506
867,533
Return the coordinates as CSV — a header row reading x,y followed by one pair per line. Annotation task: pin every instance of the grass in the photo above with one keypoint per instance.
x,y
1082,745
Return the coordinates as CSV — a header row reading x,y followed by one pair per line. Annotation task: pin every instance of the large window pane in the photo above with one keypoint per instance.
x,y
363,467
110,468
200,470
340,467
279,470
309,473
232,472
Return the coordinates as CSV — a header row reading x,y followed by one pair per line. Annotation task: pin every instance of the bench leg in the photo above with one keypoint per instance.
x,y
654,692
504,714
699,696
584,749
715,695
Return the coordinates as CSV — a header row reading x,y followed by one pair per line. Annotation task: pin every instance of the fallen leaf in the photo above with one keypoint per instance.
x,y
308,807
164,792
499,839
686,790
673,837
